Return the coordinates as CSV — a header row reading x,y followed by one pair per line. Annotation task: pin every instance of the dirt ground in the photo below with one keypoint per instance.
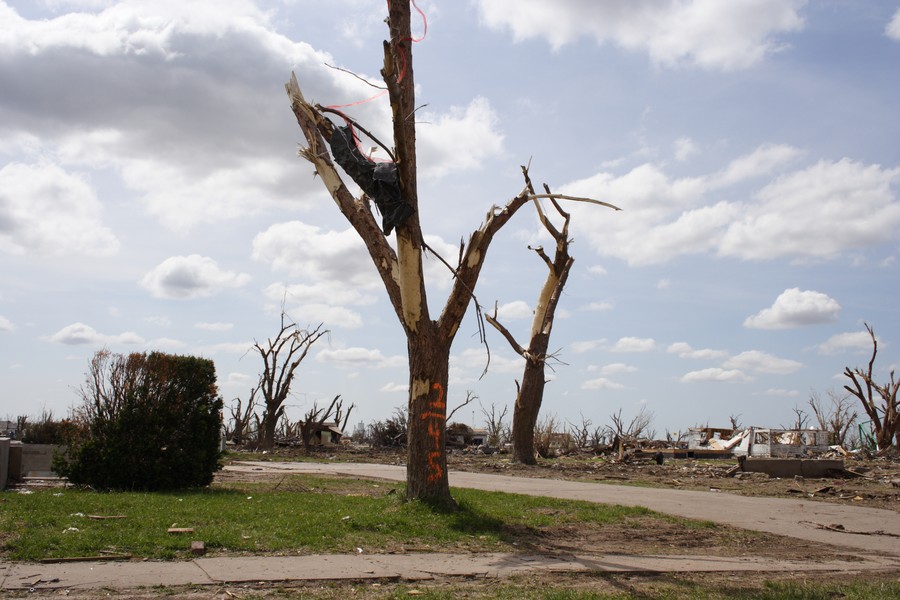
x,y
648,586
872,482
869,481
877,485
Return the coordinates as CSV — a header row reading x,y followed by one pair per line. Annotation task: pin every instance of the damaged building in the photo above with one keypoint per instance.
x,y
761,442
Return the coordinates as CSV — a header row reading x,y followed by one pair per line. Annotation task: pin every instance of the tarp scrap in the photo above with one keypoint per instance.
x,y
379,180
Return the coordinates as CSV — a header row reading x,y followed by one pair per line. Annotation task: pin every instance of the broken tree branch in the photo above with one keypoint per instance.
x,y
516,346
573,199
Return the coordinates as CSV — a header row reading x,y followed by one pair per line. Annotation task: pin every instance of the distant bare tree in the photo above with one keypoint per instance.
x,y
800,419
545,433
494,421
601,437
241,416
505,434
631,431
281,356
470,398
879,401
836,415
675,440
581,432
316,418
21,425
284,429
735,421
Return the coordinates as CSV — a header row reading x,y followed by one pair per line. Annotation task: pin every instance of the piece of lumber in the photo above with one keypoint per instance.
x,y
69,559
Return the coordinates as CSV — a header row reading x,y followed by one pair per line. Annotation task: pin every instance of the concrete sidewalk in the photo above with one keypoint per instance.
x,y
383,567
867,529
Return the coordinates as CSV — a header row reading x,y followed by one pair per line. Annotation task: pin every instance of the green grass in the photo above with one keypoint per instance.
x,y
299,514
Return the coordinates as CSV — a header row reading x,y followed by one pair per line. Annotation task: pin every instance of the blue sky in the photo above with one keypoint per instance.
x,y
151,197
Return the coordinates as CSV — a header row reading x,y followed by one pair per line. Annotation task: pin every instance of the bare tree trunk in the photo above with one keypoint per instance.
x,y
426,466
526,411
267,427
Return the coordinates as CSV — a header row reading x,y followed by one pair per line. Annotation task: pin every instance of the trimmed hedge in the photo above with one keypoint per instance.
x,y
151,422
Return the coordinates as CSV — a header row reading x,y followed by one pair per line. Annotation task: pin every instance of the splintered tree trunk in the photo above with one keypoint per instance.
x,y
426,468
525,414
531,392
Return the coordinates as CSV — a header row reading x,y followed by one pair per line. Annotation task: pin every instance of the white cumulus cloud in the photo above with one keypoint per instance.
x,y
598,306
762,161
817,212
307,251
460,140
684,350
601,383
160,92
893,28
685,148
80,334
715,374
713,35
616,368
634,344
781,392
795,308
320,292
360,357
854,341
761,362
45,210
583,346
192,276
518,309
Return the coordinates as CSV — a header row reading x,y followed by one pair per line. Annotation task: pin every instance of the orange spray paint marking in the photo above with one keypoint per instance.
x,y
435,417
434,465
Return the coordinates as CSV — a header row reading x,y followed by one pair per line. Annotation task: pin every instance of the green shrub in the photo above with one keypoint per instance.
x,y
151,421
